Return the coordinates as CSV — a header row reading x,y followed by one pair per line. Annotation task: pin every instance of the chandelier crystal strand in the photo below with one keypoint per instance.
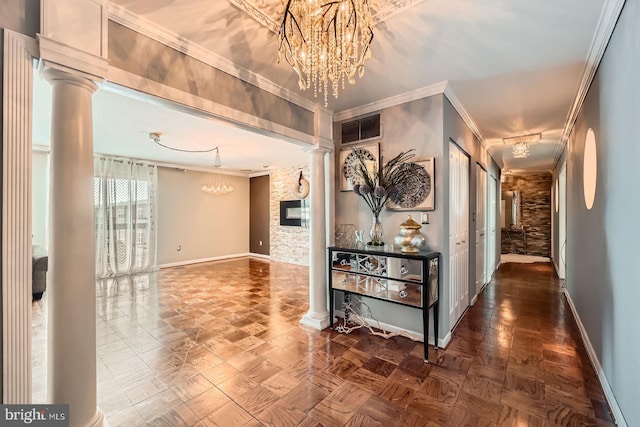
x,y
218,184
326,42
521,150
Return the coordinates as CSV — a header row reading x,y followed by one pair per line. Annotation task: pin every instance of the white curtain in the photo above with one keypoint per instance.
x,y
125,216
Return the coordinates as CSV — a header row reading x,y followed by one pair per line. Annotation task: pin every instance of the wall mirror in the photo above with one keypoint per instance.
x,y
509,207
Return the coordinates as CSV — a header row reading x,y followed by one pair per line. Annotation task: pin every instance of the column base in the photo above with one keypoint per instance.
x,y
99,420
317,321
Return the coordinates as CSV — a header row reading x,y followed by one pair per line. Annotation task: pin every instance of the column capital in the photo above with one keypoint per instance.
x,y
54,75
74,36
322,144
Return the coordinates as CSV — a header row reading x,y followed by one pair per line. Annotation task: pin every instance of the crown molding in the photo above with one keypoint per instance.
x,y
392,101
169,38
260,17
606,24
396,7
455,102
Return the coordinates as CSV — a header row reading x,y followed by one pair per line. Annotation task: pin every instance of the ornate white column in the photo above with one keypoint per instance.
x,y
318,316
71,288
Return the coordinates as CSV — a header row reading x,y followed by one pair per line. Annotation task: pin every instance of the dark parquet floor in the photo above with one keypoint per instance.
x,y
219,344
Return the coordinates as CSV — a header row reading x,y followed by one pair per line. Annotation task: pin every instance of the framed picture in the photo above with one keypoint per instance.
x,y
349,161
418,193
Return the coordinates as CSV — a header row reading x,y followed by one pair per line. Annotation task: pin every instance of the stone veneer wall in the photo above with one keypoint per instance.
x,y
288,244
534,212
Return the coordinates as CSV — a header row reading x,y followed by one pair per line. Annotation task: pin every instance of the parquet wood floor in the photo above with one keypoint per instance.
x,y
220,344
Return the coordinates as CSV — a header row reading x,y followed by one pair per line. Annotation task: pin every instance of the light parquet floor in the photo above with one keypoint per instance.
x,y
220,344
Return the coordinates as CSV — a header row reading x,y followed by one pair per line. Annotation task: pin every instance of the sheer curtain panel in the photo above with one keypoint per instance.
x,y
125,216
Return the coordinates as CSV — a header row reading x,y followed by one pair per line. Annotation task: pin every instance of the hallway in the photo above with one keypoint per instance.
x,y
219,344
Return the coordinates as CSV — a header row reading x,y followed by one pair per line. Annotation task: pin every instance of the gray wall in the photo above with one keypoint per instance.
x,y
455,129
602,250
148,58
418,125
22,16
259,215
427,124
204,225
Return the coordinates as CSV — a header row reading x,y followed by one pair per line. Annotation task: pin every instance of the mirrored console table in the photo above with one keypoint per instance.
x,y
411,280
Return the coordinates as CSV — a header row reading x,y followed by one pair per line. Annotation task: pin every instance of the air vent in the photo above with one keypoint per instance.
x,y
361,129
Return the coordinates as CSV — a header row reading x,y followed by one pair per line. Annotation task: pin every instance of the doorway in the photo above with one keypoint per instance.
x,y
481,227
562,222
492,230
458,232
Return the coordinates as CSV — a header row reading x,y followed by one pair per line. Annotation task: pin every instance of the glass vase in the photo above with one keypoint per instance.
x,y
376,233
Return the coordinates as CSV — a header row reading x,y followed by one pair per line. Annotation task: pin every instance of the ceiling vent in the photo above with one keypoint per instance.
x,y
363,129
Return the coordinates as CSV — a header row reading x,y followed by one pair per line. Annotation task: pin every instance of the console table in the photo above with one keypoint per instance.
x,y
411,280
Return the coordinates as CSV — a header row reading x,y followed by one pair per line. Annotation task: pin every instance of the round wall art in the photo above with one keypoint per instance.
x,y
350,161
416,193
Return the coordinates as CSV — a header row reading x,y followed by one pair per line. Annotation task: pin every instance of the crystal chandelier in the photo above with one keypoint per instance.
x,y
521,150
218,183
326,40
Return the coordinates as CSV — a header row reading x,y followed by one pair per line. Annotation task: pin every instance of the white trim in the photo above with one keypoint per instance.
x,y
392,101
263,256
261,173
68,58
444,342
169,38
475,299
455,102
416,336
318,323
201,260
424,92
16,268
606,387
120,81
606,24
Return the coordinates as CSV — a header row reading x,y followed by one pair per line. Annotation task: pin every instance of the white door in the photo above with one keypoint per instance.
x,y
491,229
458,233
562,222
481,227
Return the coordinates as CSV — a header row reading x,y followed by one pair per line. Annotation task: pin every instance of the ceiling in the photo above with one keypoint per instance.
x,y
515,66
122,124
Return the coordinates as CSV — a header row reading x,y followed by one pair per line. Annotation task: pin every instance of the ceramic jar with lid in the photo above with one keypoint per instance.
x,y
410,238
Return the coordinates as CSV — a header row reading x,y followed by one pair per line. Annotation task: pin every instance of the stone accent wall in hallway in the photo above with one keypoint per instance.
x,y
534,212
288,244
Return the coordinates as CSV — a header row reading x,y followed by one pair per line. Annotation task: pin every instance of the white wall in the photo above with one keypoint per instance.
x,y
603,272
204,225
40,197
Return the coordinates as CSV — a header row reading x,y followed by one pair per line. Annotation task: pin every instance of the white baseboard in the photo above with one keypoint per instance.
x,y
444,342
416,336
474,299
611,399
201,260
254,255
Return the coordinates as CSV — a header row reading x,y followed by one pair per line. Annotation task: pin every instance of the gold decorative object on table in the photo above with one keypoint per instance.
x,y
410,238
